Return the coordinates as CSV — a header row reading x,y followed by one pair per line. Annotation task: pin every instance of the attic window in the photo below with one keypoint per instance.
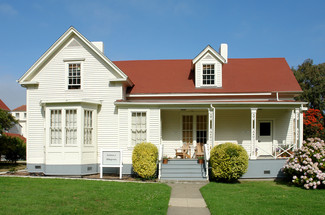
x,y
74,76
208,77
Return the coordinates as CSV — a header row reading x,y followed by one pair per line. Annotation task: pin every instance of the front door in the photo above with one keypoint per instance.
x,y
265,137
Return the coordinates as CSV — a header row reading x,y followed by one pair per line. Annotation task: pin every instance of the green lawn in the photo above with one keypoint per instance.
x,y
60,196
263,197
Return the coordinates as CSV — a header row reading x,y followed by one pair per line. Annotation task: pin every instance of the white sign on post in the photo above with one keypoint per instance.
x,y
111,158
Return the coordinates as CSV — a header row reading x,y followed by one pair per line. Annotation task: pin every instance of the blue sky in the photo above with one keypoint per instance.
x,y
150,29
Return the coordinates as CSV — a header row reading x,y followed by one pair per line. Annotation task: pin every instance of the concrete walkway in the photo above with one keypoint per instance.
x,y
186,199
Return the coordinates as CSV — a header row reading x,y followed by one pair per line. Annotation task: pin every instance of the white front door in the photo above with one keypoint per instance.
x,y
264,137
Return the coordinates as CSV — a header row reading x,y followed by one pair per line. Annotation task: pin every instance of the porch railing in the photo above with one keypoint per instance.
x,y
282,150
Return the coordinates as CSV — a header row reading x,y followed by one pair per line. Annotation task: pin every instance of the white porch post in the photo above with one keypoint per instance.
x,y
301,128
253,133
212,125
296,128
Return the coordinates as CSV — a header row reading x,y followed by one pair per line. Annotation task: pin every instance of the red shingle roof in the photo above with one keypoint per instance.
x,y
21,108
3,106
239,76
15,135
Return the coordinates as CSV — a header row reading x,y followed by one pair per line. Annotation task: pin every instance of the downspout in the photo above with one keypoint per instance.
x,y
277,96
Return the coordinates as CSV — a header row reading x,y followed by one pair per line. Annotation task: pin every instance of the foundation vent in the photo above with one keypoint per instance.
x,y
267,172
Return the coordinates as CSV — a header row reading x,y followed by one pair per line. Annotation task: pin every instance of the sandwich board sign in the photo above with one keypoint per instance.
x,y
111,158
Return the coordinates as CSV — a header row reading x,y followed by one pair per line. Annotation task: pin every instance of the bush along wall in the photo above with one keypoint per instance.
x,y
144,160
13,148
306,167
228,162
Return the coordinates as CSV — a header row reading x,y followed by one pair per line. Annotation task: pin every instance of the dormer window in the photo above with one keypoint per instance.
x,y
208,74
74,77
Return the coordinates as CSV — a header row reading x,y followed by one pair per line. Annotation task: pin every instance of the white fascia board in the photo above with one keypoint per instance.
x,y
63,101
60,41
207,49
196,94
209,103
29,83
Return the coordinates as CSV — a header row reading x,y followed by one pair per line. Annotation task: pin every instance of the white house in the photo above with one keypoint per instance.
x,y
78,102
20,114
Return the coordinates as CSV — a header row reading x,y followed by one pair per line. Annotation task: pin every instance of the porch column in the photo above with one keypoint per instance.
x,y
212,125
296,136
253,133
301,128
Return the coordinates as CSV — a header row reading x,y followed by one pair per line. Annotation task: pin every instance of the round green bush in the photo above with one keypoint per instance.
x,y
228,162
144,160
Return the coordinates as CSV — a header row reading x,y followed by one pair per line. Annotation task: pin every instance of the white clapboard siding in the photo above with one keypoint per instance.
x,y
154,126
95,76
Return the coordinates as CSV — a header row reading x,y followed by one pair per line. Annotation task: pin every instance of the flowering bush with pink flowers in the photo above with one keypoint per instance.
x,y
306,167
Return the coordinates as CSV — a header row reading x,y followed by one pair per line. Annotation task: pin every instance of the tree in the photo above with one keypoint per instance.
x,y
312,81
313,124
6,120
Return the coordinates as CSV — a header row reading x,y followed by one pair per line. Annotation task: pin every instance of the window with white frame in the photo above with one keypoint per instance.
x,y
88,127
74,76
71,127
187,129
56,127
208,77
17,115
138,127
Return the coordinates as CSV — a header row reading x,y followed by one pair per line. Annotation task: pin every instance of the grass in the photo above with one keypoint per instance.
x,y
262,197
62,196
7,166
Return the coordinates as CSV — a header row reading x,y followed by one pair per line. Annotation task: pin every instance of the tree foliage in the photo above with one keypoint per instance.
x,y
312,81
6,120
13,148
313,124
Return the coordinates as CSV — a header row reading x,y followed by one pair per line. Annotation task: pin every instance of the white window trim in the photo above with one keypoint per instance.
x,y
215,73
194,114
67,75
130,146
63,125
93,127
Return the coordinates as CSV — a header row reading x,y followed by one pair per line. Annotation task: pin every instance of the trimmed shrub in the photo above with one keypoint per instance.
x,y
144,160
229,162
306,167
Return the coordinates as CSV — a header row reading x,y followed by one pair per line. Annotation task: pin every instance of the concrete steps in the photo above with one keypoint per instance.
x,y
183,170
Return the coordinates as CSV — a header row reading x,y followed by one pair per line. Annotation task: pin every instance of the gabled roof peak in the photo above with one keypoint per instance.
x,y
65,36
209,49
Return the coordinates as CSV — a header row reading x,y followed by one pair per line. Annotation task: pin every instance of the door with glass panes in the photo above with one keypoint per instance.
x,y
264,137
194,132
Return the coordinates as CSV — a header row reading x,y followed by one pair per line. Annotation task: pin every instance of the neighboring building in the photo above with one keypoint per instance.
x,y
3,106
20,114
79,102
15,131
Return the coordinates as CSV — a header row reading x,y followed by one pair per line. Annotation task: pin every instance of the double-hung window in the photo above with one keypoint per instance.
x,y
138,127
56,127
88,127
208,77
74,76
71,127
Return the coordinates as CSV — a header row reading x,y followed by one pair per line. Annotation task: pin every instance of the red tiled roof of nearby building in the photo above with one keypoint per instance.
x,y
21,108
239,76
3,106
15,135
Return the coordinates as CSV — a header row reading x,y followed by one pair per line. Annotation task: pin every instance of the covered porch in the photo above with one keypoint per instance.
x,y
265,131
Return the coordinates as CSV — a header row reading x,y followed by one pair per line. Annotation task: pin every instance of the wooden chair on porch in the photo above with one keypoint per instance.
x,y
199,150
183,152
